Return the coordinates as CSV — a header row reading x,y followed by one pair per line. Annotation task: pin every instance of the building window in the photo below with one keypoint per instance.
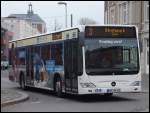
x,y
33,25
120,14
112,16
147,11
147,42
12,27
124,13
147,57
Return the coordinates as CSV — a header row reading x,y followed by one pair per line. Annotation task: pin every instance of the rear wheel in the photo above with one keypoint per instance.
x,y
22,82
58,87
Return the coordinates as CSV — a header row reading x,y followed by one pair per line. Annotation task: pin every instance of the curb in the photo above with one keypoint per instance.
x,y
145,91
147,110
15,101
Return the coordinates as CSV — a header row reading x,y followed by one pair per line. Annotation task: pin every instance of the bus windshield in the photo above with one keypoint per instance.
x,y
111,56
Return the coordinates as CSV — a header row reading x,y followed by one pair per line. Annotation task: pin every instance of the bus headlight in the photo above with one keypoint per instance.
x,y
87,85
136,83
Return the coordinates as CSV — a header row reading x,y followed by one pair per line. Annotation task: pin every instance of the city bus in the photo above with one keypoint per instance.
x,y
93,59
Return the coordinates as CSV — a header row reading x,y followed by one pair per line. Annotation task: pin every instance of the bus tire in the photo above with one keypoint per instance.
x,y
22,81
58,87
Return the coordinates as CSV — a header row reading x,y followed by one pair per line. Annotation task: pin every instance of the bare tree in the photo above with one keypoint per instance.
x,y
57,25
86,21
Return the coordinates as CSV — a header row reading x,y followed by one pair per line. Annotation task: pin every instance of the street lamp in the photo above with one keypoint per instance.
x,y
64,3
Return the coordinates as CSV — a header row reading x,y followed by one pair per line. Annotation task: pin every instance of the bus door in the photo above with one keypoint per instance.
x,y
29,66
70,65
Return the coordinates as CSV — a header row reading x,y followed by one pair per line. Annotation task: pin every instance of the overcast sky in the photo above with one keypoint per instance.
x,y
50,10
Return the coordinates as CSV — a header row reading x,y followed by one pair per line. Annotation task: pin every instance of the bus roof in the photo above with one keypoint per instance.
x,y
81,28
67,29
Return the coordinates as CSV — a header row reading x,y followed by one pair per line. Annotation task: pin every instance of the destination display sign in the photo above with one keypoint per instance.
x,y
110,32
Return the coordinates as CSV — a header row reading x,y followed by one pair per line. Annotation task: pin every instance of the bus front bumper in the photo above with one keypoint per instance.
x,y
101,90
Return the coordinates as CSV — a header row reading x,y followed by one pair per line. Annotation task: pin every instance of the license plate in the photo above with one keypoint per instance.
x,y
106,90
98,90
103,90
116,90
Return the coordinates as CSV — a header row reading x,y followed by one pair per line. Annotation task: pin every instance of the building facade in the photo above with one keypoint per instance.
x,y
5,37
24,25
131,13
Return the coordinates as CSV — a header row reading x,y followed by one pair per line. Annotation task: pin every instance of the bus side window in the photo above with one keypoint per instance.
x,y
21,56
57,54
80,60
74,57
45,53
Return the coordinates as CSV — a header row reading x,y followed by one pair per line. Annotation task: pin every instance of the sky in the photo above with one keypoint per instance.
x,y
51,12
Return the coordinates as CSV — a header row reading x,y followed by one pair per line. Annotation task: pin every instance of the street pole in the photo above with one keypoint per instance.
x,y
64,3
71,20
66,14
55,24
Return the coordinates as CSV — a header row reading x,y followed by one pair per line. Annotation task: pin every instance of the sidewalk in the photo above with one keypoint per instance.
x,y
9,97
145,82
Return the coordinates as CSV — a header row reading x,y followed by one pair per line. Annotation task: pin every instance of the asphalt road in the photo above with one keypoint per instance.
x,y
46,101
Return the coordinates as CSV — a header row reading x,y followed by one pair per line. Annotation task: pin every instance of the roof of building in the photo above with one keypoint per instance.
x,y
31,17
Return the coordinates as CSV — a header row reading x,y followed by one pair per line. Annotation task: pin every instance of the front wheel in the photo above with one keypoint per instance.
x,y
58,87
22,82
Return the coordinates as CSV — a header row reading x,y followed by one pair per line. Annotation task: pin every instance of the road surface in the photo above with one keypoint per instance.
x,y
46,101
